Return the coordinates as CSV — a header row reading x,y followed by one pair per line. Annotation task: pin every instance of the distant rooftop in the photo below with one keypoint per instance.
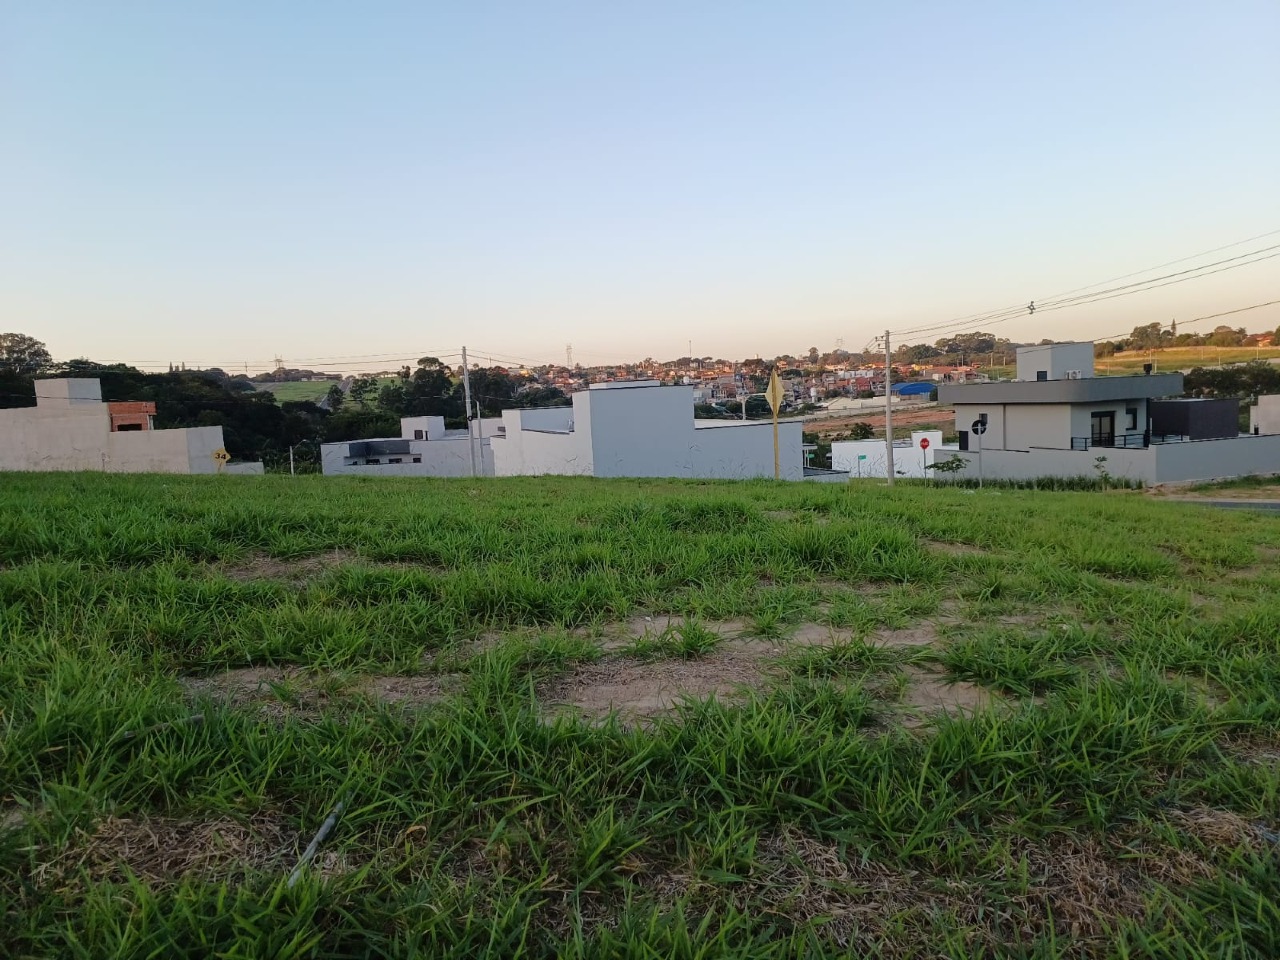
x,y
625,384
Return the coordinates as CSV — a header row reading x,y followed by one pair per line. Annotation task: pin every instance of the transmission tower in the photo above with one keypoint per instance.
x,y
568,355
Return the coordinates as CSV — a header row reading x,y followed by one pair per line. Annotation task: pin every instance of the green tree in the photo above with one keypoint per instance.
x,y
1226,337
363,389
335,398
22,354
1149,336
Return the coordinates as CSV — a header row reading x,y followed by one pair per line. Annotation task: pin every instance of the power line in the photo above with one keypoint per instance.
x,y
1112,293
1021,310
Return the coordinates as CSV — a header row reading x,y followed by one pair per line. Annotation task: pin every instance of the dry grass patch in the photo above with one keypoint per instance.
x,y
296,570
1261,749
1220,828
637,691
1081,887
161,850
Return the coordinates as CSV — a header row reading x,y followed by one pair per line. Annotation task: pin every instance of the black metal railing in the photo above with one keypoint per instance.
x,y
1127,440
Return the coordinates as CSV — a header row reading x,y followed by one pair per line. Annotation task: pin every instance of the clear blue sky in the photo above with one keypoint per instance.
x,y
224,181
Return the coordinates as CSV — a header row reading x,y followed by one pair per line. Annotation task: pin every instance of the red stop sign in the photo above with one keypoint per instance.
x,y
924,443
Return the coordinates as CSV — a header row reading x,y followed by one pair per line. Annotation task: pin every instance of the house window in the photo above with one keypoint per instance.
x,y
1042,374
395,460
1102,428
417,459
370,463
1131,418
417,434
126,427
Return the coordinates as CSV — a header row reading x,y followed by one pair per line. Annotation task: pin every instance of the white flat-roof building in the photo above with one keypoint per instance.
x,y
641,429
71,428
423,449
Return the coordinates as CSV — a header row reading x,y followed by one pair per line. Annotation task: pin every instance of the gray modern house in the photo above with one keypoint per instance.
x,y
1058,419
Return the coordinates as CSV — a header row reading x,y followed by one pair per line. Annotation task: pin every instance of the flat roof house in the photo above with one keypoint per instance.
x,y
1057,419
70,428
642,429
423,449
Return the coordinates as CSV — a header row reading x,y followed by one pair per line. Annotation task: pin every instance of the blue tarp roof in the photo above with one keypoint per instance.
x,y
911,389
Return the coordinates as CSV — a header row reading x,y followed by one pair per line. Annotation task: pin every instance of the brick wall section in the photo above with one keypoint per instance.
x,y
134,414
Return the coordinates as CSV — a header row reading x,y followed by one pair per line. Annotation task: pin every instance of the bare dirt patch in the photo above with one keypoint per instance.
x,y
12,817
924,635
296,569
263,687
422,691
1212,694
278,692
929,692
162,850
955,549
618,636
819,635
638,691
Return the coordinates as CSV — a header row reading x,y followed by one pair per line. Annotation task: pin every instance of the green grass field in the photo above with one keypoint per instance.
x,y
577,718
1174,359
1169,360
296,391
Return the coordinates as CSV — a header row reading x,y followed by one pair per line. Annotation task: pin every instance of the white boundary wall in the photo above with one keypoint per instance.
x,y
1160,463
70,429
1265,417
908,459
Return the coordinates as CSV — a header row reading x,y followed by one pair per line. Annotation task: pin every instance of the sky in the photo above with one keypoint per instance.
x,y
221,183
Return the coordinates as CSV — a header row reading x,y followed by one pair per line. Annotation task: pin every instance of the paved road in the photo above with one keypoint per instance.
x,y
1270,506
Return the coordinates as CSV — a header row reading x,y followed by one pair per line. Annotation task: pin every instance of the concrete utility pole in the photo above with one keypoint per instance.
x,y
466,392
888,407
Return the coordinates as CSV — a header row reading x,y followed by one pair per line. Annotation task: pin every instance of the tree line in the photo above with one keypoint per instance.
x,y
1156,336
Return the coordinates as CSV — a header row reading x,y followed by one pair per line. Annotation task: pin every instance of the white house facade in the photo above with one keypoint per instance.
x,y
423,449
641,429
1057,419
